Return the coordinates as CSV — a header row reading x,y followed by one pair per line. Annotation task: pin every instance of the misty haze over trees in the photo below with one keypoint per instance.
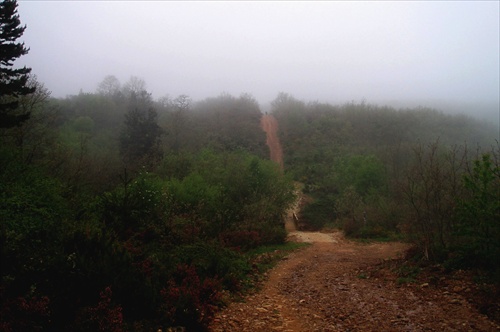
x,y
441,55
120,211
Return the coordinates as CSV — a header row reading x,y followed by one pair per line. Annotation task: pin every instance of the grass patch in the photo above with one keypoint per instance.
x,y
407,273
260,260
266,257
404,280
371,240
384,239
285,248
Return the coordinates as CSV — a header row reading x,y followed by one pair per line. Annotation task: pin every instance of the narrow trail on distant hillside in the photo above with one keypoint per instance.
x,y
270,126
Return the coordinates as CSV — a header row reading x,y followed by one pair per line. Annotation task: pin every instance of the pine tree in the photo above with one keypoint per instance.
x,y
13,82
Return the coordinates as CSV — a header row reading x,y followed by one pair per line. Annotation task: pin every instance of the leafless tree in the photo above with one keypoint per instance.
x,y
110,86
430,189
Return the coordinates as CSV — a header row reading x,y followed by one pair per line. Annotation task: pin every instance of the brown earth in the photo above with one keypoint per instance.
x,y
270,126
341,285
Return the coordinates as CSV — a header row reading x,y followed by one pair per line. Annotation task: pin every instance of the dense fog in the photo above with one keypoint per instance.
x,y
442,55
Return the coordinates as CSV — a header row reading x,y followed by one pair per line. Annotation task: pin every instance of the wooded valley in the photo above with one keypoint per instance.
x,y
123,212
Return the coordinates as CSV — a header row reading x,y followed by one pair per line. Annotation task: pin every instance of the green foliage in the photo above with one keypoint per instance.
x,y
35,138
430,191
319,213
193,193
33,213
152,225
83,124
76,133
407,273
88,245
233,192
176,166
365,173
454,205
140,139
60,264
137,246
354,160
31,210
74,227
224,124
478,226
213,260
348,193
105,111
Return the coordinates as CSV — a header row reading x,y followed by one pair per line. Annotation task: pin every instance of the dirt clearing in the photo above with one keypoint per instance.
x,y
341,285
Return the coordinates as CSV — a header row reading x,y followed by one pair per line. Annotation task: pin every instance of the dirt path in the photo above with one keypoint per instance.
x,y
340,285
270,126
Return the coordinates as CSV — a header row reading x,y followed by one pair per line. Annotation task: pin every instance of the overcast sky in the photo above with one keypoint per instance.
x,y
325,51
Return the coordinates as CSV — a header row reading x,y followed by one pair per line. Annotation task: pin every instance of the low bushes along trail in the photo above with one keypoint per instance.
x,y
341,285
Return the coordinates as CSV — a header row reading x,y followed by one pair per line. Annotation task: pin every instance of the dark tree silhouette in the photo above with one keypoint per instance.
x,y
13,82
140,139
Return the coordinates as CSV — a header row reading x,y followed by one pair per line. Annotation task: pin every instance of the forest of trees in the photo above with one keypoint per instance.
x,y
119,210
122,212
415,174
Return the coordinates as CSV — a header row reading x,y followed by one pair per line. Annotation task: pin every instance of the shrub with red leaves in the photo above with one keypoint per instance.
x,y
104,316
25,314
188,301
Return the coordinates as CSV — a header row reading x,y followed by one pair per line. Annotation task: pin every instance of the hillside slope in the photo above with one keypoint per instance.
x,y
270,126
342,285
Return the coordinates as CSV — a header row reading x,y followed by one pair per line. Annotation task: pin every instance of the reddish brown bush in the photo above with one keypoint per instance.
x,y
241,239
30,313
188,301
104,316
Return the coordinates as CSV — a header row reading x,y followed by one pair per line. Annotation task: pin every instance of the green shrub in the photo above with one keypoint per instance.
x,y
212,260
317,214
477,232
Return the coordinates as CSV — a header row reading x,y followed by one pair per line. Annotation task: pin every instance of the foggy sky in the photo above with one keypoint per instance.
x,y
325,51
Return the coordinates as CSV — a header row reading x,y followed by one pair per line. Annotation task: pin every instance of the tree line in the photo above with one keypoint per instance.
x,y
414,174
